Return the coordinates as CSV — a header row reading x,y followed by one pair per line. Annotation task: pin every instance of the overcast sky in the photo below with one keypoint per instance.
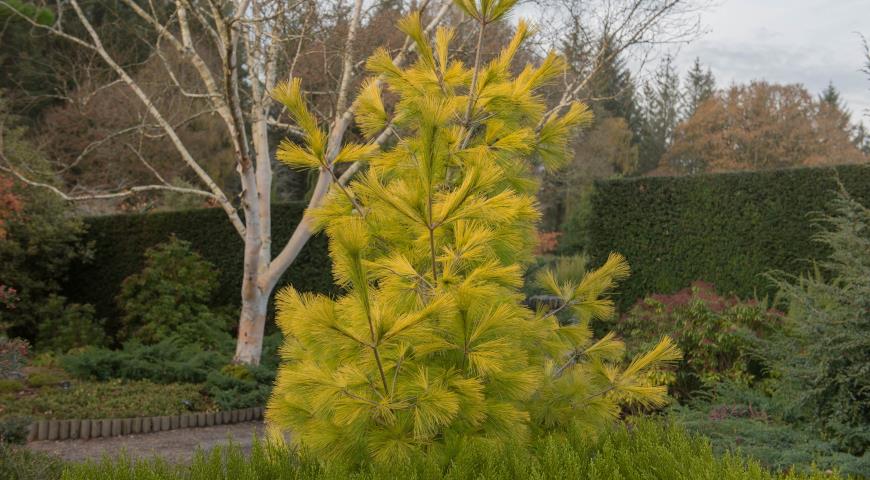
x,y
787,41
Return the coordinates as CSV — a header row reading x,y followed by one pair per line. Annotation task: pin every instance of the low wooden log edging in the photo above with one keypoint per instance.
x,y
79,429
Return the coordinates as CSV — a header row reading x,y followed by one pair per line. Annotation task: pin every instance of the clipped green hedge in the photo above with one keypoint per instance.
x,y
728,229
120,242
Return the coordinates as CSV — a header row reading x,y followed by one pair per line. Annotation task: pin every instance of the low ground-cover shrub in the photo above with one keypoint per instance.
x,y
109,399
240,386
736,417
646,450
8,385
174,361
45,376
720,337
775,444
170,360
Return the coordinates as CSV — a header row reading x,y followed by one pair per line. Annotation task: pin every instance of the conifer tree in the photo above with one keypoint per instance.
x,y
430,345
700,85
830,103
661,113
861,138
613,87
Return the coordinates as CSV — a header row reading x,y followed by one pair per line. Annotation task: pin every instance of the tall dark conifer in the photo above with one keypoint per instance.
x,y
832,103
700,85
661,112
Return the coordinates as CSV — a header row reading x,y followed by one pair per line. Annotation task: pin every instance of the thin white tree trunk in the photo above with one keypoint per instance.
x,y
258,252
252,324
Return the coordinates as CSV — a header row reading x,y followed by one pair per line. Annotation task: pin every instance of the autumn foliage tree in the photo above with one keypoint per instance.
x,y
761,126
430,345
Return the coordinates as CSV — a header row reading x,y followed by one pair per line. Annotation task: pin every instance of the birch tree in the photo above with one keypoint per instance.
x,y
251,40
250,37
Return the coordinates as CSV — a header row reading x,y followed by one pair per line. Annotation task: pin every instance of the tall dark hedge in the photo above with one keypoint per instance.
x,y
120,242
729,229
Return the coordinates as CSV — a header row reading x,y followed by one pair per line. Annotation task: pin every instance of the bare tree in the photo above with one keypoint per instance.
x,y
594,33
606,44
250,38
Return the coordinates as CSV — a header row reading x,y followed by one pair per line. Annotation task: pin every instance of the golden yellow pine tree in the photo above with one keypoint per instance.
x,y
430,342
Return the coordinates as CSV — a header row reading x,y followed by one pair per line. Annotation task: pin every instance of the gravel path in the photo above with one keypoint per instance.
x,y
174,446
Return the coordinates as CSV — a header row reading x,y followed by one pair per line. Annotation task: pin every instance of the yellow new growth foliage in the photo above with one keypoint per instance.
x,y
430,343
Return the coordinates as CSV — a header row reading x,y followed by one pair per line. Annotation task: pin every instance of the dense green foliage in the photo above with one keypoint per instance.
x,y
14,428
41,241
108,399
824,358
120,242
172,296
720,337
22,60
728,229
647,451
240,386
64,326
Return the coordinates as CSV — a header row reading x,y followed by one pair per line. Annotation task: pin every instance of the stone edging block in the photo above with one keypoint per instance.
x,y
79,429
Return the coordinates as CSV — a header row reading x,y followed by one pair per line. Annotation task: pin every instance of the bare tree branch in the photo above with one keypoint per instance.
x,y
158,117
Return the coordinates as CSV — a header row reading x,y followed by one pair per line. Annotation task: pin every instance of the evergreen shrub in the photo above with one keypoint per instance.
x,y
64,326
823,359
173,360
173,296
40,246
744,420
13,357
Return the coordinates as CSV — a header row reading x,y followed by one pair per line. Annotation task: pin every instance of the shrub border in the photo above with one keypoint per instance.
x,y
86,429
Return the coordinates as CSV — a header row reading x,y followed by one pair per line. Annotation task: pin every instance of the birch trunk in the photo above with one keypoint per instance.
x,y
252,323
